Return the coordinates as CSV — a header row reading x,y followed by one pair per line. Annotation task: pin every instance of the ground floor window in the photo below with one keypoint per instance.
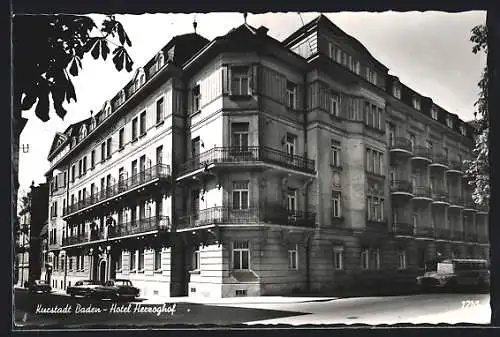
x,y
402,259
119,262
241,255
365,258
196,259
376,258
293,258
132,261
158,259
338,257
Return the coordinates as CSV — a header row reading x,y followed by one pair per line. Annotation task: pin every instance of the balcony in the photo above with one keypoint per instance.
x,y
275,214
141,226
403,229
123,187
252,155
421,154
439,160
424,232
457,235
482,209
469,205
76,239
377,225
442,233
400,146
456,201
422,193
472,237
402,188
440,197
483,238
455,167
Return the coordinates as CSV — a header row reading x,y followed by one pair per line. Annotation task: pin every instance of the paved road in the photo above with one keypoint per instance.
x,y
425,308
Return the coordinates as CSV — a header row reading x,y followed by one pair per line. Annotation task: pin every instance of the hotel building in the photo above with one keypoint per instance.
x,y
246,166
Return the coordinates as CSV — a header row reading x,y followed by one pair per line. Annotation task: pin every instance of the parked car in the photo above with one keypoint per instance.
x,y
37,286
83,288
116,289
454,273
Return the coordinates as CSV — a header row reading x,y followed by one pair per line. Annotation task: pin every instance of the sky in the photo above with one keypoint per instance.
x,y
429,51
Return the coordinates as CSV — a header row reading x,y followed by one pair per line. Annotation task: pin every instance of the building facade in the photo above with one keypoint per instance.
x,y
246,166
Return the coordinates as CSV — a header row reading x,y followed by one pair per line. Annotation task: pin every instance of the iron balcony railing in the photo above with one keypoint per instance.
x,y
75,239
401,228
456,200
377,224
455,165
482,238
400,143
469,203
457,235
442,233
483,208
439,158
155,172
401,186
440,195
275,214
421,151
425,231
139,226
472,237
421,192
220,155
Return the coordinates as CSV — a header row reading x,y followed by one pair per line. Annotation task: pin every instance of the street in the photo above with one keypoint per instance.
x,y
432,308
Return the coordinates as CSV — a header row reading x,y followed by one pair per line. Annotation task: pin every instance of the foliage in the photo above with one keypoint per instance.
x,y
48,49
477,169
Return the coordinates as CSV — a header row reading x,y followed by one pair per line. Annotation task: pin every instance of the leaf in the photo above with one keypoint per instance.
x,y
73,69
128,62
28,101
104,48
42,107
122,35
119,57
95,50
58,93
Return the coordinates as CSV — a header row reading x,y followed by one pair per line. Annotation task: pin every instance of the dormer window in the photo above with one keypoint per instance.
x,y
396,91
416,103
121,97
449,122
434,113
371,76
107,109
140,79
92,123
160,61
83,131
463,131
73,141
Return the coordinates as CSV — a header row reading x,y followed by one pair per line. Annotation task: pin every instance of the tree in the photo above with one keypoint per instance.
x,y
478,169
48,50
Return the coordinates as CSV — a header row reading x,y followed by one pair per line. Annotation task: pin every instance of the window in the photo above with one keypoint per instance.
x,y
80,168
365,259
338,257
196,259
291,94
157,265
292,199
132,261
240,81
445,152
92,159
196,99
376,258
73,173
159,207
119,262
449,122
396,91
241,255
240,195
103,151
413,141
375,162
371,76
293,258
108,146
141,259
336,209
134,129
291,141
70,267
392,133
334,104
84,164
159,110
375,208
239,136
463,131
416,104
434,113
120,138
401,259
429,145
143,123
160,61
159,155
335,148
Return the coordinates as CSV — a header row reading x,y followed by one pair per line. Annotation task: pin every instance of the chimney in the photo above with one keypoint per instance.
x,y
262,30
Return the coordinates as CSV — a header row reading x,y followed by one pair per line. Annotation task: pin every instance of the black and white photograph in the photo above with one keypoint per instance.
x,y
254,169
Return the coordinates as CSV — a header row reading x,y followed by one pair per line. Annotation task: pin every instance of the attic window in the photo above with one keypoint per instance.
x,y
140,79
416,103
107,110
92,123
160,61
463,131
449,122
434,113
83,132
396,91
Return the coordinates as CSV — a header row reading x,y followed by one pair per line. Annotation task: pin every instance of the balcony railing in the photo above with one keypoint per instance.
x,y
71,240
456,200
423,231
155,172
221,155
482,238
401,186
455,165
457,235
472,237
400,143
276,214
440,196
377,224
470,204
442,233
421,152
139,226
422,192
400,228
439,158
